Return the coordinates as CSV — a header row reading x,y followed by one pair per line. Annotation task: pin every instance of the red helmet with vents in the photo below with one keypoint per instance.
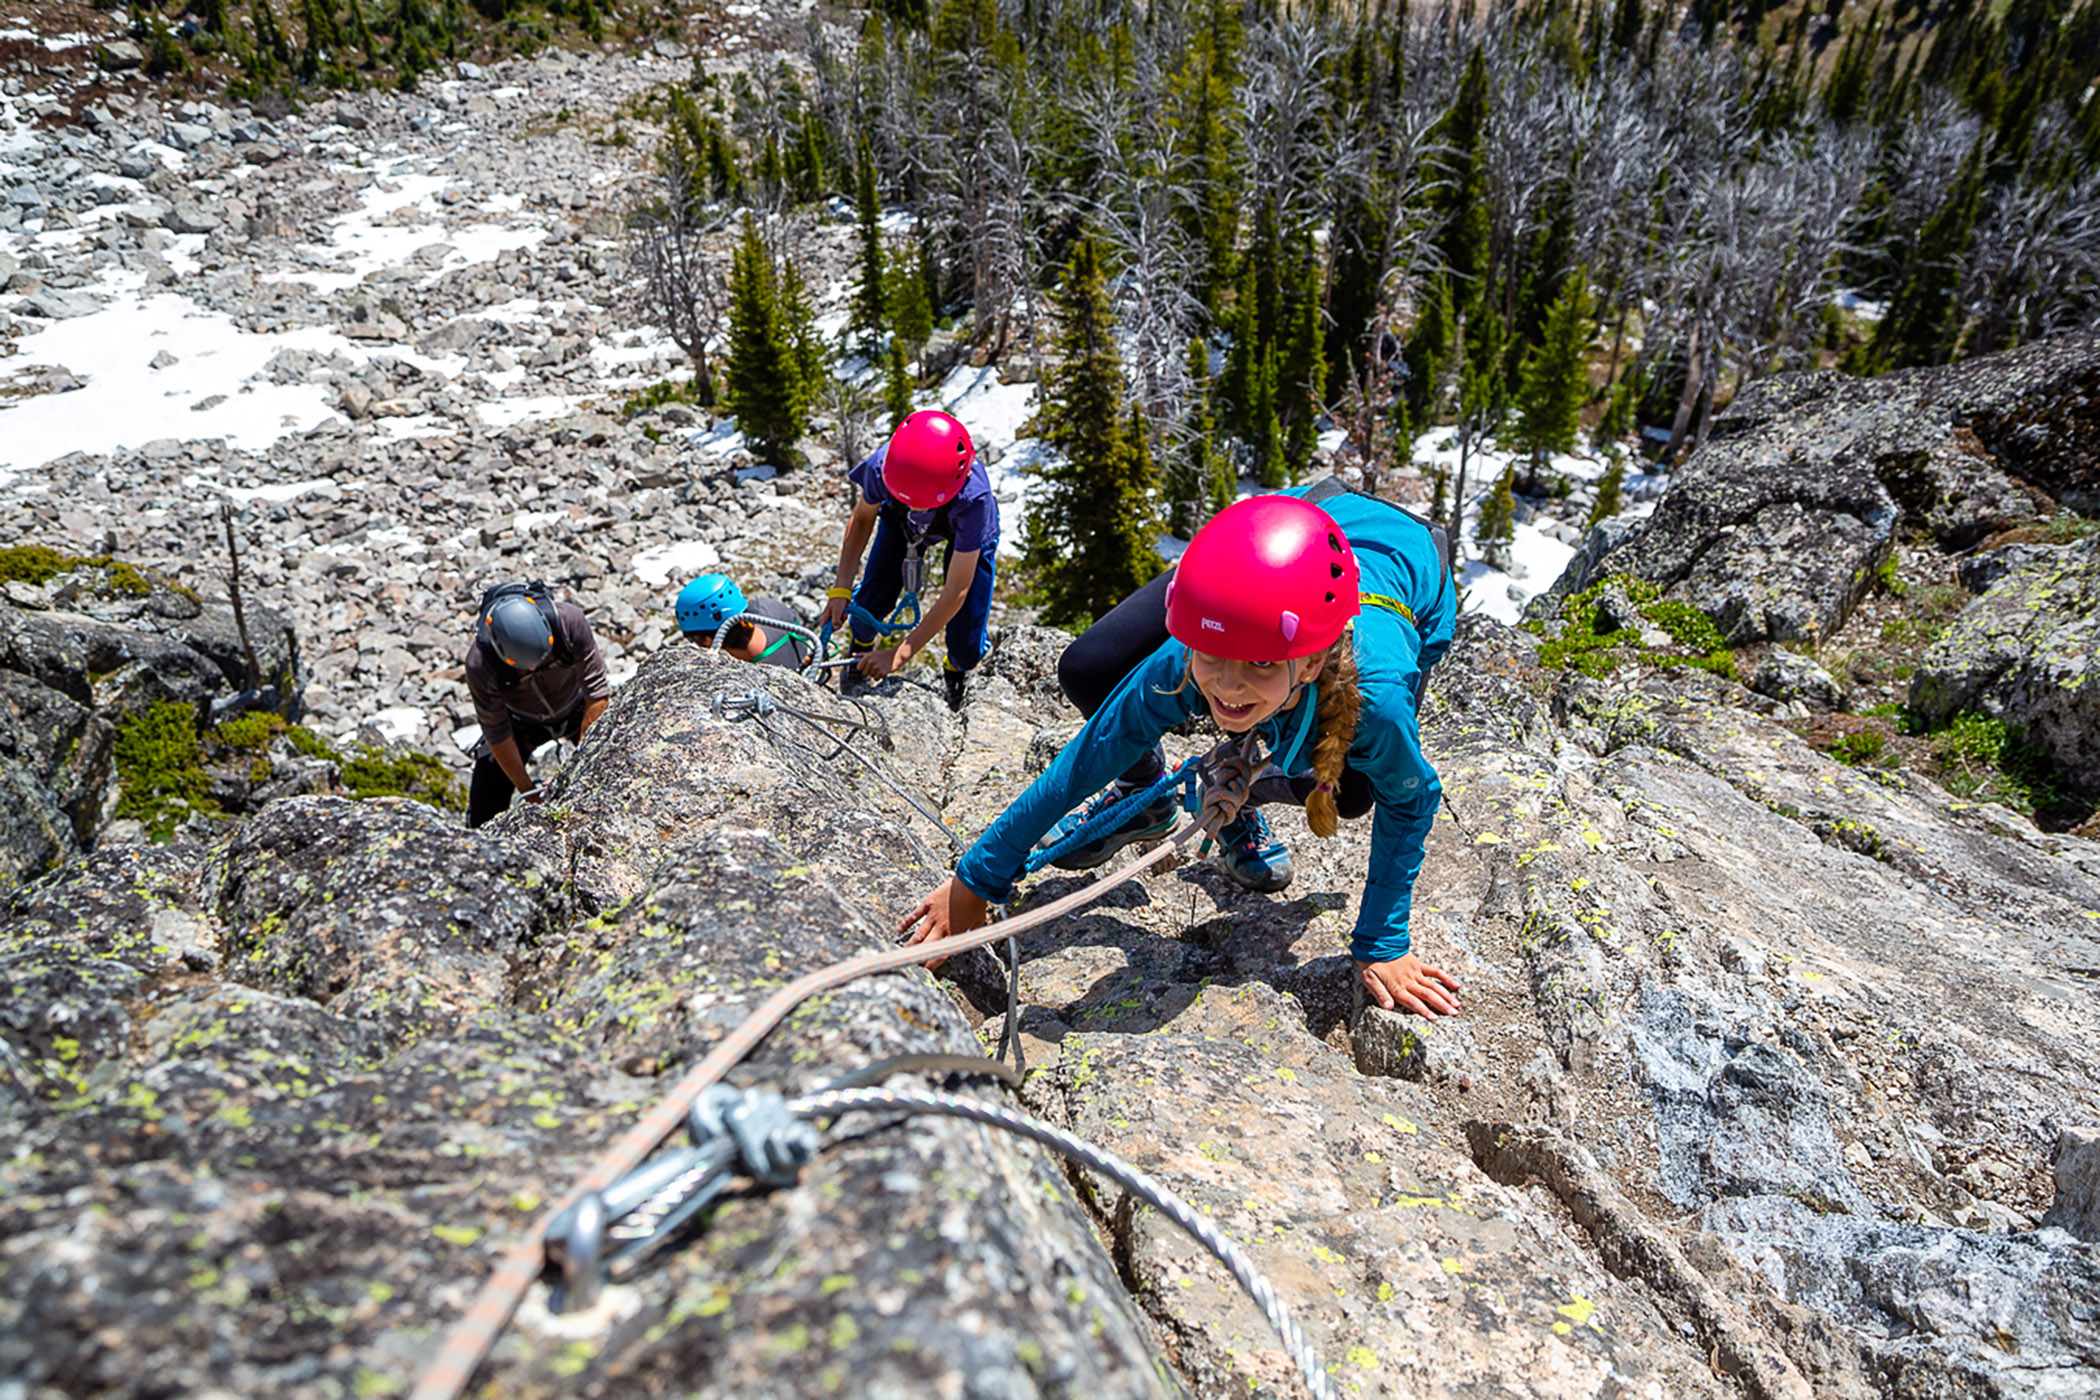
x,y
1269,578
928,460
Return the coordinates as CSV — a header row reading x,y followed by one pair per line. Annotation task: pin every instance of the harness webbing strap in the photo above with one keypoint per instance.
x,y
1380,600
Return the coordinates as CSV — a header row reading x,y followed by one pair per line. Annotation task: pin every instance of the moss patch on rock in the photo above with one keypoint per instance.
x,y
161,781
37,563
1579,644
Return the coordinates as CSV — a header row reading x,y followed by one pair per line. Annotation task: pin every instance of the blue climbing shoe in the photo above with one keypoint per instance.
x,y
1150,822
1252,854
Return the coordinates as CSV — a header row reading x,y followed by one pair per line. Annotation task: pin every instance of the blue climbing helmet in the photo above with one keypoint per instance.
x,y
709,601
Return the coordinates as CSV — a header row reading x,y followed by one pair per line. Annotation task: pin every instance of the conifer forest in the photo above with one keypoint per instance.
x,y
1399,216
1513,219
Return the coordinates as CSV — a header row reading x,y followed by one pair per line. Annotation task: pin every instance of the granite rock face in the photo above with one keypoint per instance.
x,y
1777,525
2024,653
76,661
276,1155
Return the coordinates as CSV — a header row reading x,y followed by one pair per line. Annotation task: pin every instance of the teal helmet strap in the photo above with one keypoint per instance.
x,y
1308,706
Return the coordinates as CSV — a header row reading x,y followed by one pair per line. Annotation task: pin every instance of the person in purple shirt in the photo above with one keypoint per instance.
x,y
926,484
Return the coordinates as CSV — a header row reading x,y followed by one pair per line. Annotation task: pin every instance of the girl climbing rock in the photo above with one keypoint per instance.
x,y
1253,629
925,485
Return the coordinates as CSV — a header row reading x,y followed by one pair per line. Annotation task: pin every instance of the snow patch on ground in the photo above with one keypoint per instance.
x,y
682,559
128,403
400,723
995,412
1536,556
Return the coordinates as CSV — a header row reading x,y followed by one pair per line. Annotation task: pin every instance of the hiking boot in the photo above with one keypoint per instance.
x,y
1150,822
1251,853
954,680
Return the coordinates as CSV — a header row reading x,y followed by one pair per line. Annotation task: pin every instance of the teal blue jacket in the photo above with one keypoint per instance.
x,y
1399,565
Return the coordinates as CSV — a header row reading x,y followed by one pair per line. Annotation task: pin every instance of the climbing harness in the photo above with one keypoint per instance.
x,y
770,1138
468,1343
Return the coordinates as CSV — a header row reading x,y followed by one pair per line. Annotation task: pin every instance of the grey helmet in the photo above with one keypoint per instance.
x,y
515,632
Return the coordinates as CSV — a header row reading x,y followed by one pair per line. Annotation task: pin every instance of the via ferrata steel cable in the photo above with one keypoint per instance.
x,y
468,1343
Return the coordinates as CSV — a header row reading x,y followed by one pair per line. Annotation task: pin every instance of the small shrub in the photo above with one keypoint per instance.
x,y
377,773
161,780
251,732
1912,631
311,744
663,391
2066,527
32,563
1858,747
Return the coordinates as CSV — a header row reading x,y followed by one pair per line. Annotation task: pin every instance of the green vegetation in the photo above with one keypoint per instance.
x,y
378,773
36,563
161,781
1611,493
1975,757
1587,650
1089,537
776,361
663,391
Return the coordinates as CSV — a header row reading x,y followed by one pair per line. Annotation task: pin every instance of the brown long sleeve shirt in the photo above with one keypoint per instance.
x,y
548,695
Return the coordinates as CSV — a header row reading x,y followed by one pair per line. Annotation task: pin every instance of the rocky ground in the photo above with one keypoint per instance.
x,y
1775,1076
430,290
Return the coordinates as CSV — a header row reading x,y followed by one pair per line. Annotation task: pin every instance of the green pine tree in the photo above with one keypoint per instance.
x,y
323,39
1272,463
358,33
1545,272
869,315
1355,285
1428,353
904,294
1301,371
271,46
1243,354
1496,525
1199,470
1463,207
896,383
164,56
1089,534
1554,380
769,383
1611,494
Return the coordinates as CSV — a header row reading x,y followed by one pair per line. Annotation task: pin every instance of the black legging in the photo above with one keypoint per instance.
x,y
1098,659
490,792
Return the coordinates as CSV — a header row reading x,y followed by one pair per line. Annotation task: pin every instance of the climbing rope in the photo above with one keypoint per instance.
x,y
885,629
758,704
468,1343
770,1139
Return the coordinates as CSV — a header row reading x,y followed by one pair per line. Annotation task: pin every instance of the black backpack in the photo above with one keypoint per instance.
x,y
543,597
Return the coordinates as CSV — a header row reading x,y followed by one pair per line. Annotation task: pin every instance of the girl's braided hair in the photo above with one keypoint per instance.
x,y
1340,704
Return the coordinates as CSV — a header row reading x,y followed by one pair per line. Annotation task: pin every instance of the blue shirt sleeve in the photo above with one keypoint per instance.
x,y
1137,712
970,519
1388,751
868,477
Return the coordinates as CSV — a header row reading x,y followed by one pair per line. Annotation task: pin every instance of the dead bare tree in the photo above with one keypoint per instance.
x,y
235,592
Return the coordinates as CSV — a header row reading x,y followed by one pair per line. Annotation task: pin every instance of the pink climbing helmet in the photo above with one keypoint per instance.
x,y
1270,578
928,460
